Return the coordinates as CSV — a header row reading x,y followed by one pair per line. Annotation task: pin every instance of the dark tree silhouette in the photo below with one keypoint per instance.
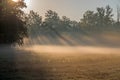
x,y
12,27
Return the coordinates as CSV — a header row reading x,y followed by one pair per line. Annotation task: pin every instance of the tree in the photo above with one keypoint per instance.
x,y
103,17
11,7
100,16
33,23
89,19
118,14
66,21
1,7
51,19
12,27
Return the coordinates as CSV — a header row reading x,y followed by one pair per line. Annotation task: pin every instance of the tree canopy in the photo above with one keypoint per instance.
x,y
15,24
12,27
103,17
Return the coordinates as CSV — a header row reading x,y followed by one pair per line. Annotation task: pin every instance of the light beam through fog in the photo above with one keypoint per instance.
x,y
58,48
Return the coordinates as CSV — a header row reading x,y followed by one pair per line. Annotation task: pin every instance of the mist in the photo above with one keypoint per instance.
x,y
56,47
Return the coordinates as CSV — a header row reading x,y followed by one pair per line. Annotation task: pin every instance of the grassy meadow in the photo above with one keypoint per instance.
x,y
31,65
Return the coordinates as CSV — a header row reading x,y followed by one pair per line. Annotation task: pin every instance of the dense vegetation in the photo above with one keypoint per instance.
x,y
92,22
12,26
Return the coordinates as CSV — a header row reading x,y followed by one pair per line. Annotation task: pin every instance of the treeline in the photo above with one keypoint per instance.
x,y
15,24
93,22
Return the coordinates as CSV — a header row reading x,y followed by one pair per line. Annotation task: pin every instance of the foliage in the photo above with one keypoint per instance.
x,y
89,19
101,20
34,22
11,7
103,17
51,19
12,27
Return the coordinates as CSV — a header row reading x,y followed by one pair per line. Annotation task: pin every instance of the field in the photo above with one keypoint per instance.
x,y
34,64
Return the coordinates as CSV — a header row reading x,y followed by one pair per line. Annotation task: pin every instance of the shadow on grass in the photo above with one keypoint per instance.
x,y
19,65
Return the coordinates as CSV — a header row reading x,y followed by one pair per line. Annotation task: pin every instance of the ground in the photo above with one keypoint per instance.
x,y
19,64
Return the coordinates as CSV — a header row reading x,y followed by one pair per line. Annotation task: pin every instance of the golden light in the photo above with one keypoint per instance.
x,y
26,1
15,0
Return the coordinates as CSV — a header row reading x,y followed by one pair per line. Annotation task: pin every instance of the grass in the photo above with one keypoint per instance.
x,y
82,67
21,65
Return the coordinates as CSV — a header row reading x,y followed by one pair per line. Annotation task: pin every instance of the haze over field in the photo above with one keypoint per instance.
x,y
59,63
59,40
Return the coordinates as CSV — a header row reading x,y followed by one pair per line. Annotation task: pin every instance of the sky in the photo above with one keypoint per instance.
x,y
73,9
